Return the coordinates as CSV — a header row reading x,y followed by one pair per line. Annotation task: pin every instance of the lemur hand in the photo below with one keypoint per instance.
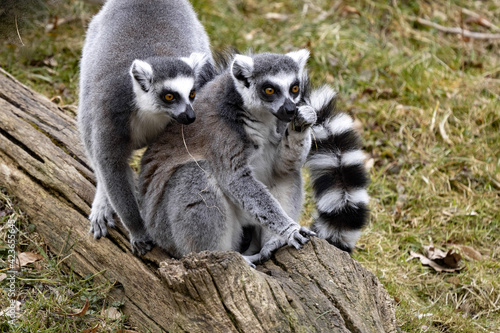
x,y
305,118
297,236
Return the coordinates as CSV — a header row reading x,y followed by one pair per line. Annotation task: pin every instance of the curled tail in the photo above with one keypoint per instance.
x,y
338,176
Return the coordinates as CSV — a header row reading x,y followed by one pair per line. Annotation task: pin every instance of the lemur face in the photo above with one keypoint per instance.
x,y
271,81
164,85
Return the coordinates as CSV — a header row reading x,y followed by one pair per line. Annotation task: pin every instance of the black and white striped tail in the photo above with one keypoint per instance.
x,y
338,176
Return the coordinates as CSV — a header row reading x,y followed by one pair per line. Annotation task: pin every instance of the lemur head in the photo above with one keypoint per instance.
x,y
270,81
166,85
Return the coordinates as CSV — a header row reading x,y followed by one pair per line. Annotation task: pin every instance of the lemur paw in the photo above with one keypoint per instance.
x,y
266,252
306,117
141,244
297,236
100,217
251,259
270,247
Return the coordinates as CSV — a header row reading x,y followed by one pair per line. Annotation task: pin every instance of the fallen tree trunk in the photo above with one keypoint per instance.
x,y
316,289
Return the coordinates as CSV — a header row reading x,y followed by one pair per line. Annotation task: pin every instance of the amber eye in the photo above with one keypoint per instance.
x,y
295,89
269,91
169,97
192,94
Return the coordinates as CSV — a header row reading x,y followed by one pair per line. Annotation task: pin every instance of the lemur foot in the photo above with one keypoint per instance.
x,y
266,252
250,260
305,118
100,217
141,244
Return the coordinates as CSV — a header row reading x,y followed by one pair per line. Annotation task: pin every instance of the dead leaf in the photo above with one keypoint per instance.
x,y
83,311
449,259
80,313
111,313
433,253
452,259
91,330
126,331
351,10
26,258
3,276
469,252
439,265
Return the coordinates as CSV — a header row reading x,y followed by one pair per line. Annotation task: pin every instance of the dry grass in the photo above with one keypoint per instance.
x,y
430,108
47,298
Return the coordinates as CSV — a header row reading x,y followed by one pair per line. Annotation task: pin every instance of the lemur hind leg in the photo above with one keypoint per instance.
x,y
196,214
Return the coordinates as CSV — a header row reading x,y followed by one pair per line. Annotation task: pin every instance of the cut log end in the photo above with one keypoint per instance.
x,y
316,289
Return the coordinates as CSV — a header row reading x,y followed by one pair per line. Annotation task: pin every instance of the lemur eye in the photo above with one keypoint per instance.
x,y
192,94
269,91
295,89
169,97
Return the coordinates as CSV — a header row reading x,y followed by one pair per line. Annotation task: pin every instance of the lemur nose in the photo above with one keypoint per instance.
x,y
289,107
187,117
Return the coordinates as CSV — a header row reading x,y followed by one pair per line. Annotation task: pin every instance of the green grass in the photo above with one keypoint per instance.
x,y
430,108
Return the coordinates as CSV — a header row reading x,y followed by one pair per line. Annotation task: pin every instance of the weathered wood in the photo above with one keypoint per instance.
x,y
316,289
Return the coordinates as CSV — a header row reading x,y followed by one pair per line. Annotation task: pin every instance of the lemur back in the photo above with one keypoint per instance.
x,y
240,168
138,72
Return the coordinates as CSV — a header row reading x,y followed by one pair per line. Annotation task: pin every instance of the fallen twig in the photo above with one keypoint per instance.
x,y
456,30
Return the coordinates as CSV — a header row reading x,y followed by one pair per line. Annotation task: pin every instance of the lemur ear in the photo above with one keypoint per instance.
x,y
142,73
300,57
242,69
196,61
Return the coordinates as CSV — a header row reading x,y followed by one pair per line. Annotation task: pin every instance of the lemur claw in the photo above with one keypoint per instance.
x,y
306,232
141,245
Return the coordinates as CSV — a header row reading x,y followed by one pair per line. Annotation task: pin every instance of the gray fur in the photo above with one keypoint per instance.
x,y
133,51
242,167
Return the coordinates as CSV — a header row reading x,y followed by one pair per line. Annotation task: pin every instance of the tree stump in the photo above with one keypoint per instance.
x,y
316,289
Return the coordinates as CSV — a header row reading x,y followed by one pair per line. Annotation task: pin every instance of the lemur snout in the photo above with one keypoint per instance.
x,y
287,111
187,117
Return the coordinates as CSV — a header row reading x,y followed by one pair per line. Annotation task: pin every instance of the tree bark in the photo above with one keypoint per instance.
x,y
316,289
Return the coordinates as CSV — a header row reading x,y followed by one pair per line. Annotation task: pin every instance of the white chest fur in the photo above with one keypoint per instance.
x,y
146,126
266,140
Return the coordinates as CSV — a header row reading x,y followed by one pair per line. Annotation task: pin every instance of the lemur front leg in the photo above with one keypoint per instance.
x,y
117,181
292,154
250,194
296,142
101,215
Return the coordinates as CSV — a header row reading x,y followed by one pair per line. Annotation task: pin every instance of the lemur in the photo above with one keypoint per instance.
x,y
241,168
138,70
338,175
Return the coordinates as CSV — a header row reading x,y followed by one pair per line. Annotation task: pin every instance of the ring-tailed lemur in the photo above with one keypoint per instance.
x,y
138,69
240,168
338,175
